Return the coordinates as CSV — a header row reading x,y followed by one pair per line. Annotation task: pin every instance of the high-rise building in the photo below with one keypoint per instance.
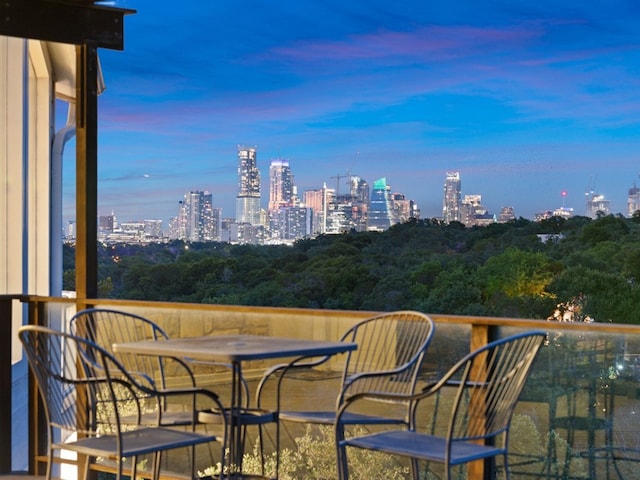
x,y
506,214
597,205
197,220
473,213
70,231
280,185
359,203
633,200
295,223
107,223
451,205
320,202
381,211
248,198
401,206
153,228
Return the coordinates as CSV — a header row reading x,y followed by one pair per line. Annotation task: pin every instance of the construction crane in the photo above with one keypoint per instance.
x,y
338,177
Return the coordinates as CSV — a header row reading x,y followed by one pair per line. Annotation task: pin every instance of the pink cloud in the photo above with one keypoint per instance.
x,y
429,41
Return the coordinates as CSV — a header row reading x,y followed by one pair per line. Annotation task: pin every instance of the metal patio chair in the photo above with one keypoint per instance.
x,y
486,383
86,391
106,327
390,350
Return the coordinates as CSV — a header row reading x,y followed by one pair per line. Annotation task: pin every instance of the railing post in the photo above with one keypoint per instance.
x,y
86,171
38,428
5,378
480,336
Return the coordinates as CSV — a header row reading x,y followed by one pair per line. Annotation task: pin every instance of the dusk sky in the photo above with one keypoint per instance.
x,y
526,99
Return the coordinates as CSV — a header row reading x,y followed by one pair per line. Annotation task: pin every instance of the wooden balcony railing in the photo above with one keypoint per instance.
x,y
579,416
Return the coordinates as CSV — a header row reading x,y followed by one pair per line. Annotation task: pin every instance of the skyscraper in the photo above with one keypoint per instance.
x,y
197,220
381,212
452,202
597,205
319,201
280,185
359,203
248,199
633,200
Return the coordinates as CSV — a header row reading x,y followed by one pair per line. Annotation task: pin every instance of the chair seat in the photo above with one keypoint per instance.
x,y
329,418
422,446
168,419
248,416
137,442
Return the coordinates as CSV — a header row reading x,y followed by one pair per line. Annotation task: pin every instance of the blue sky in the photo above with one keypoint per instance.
x,y
525,99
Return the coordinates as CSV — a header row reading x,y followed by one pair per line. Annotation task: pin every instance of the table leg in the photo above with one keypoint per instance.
x,y
235,424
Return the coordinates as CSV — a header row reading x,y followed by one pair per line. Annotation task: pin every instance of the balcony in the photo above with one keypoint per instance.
x,y
579,416
577,419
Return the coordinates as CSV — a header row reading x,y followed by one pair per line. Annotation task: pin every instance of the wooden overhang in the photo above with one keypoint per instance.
x,y
75,22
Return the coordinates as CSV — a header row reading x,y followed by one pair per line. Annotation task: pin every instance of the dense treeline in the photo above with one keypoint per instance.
x,y
590,268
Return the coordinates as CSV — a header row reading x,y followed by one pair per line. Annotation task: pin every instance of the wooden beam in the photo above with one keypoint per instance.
x,y
64,22
86,172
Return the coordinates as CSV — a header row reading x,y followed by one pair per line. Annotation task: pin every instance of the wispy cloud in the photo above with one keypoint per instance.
x,y
538,92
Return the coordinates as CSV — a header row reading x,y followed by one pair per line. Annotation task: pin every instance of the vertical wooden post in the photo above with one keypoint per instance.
x,y
86,172
38,425
480,336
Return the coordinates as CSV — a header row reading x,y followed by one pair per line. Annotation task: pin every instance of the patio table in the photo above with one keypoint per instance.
x,y
236,349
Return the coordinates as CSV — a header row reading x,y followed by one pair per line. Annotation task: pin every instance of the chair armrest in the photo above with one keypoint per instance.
x,y
160,394
211,364
185,369
278,372
414,398
211,399
352,380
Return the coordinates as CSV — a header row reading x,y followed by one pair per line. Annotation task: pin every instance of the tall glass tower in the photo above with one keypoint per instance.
x,y
197,220
280,185
633,200
452,201
381,213
248,199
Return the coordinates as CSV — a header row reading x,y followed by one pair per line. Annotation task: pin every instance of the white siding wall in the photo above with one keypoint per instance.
x,y
26,128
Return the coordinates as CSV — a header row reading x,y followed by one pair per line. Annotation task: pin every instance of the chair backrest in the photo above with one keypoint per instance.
x,y
391,348
490,381
75,382
105,327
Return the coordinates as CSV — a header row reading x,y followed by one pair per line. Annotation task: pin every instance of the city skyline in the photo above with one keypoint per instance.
x,y
526,99
454,199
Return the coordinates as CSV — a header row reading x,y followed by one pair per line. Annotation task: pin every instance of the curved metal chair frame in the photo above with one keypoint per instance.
x,y
487,385
106,327
391,348
86,390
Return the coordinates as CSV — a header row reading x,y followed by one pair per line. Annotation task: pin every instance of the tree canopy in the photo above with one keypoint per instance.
x,y
500,270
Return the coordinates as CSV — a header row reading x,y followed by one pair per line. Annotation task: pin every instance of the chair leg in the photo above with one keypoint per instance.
x,y
120,462
49,464
415,469
157,458
261,442
343,471
341,454
505,462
